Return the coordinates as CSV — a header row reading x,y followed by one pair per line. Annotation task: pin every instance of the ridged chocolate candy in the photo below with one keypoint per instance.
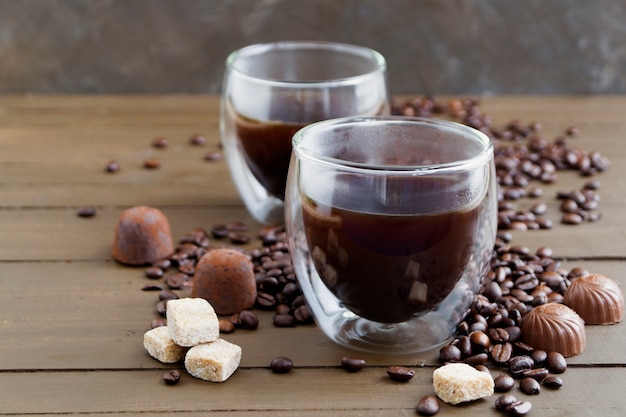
x,y
596,298
555,327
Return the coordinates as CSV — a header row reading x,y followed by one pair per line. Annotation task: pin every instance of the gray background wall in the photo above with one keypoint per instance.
x,y
432,46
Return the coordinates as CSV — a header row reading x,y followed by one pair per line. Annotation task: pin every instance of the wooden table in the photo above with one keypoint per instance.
x,y
72,320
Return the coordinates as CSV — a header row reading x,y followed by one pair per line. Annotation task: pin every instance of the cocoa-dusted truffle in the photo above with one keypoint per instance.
x,y
596,298
555,327
142,236
225,278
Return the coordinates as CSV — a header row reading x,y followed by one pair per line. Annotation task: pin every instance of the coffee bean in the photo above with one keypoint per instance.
x,y
480,341
112,166
427,406
176,281
219,231
160,143
530,386
165,295
519,364
284,320
556,362
503,383
226,326
478,359
553,381
197,139
449,353
303,315
265,301
152,287
151,163
538,374
212,156
352,364
171,377
157,322
519,408
539,356
86,211
504,401
154,272
247,320
400,373
281,365
501,353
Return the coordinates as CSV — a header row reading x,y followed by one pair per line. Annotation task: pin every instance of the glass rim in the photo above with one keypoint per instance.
x,y
259,48
481,157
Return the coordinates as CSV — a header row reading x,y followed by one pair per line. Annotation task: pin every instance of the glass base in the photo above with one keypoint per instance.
x,y
416,335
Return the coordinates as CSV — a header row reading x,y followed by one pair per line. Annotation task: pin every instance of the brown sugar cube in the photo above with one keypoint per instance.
x,y
456,383
142,236
192,321
215,361
225,278
161,347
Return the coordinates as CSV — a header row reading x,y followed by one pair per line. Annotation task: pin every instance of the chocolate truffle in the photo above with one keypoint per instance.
x,y
596,298
142,236
225,278
555,327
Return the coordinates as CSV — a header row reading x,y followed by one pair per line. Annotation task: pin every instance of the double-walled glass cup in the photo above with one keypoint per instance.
x,y
391,224
272,90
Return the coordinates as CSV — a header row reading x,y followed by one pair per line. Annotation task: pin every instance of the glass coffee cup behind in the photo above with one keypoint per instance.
x,y
272,90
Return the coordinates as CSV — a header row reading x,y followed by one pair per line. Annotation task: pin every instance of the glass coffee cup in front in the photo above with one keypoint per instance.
x,y
272,90
391,224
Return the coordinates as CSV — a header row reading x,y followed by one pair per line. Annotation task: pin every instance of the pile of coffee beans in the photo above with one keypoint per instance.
x,y
277,289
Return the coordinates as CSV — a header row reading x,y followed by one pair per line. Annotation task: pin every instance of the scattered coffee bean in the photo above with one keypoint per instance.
x,y
503,383
530,386
519,408
171,377
504,401
449,353
352,364
553,381
400,373
152,287
112,166
226,326
157,322
427,406
165,295
86,211
247,319
160,143
151,163
284,320
281,365
538,374
154,272
212,156
197,139
556,362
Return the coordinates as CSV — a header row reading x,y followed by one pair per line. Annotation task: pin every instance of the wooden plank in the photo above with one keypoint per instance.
x,y
92,315
586,392
59,234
